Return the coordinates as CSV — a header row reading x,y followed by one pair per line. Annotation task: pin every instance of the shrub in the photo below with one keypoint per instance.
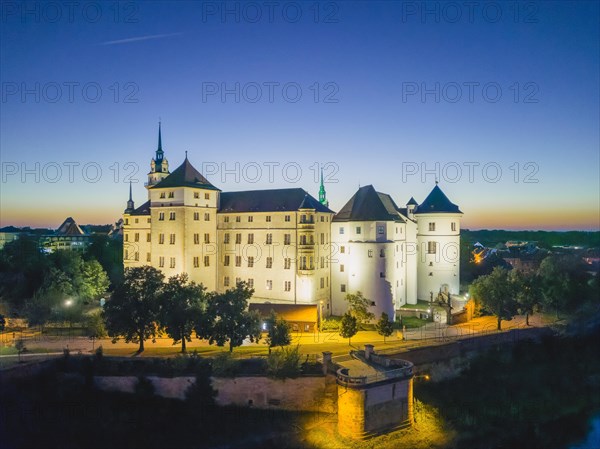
x,y
144,387
284,363
331,324
201,395
223,365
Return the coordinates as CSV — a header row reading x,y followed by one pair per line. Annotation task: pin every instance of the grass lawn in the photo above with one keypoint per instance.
x,y
412,322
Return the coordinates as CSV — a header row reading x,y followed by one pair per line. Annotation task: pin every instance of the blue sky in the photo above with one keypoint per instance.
x,y
361,67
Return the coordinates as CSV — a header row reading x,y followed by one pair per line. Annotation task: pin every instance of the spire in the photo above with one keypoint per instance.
x,y
130,205
159,138
322,193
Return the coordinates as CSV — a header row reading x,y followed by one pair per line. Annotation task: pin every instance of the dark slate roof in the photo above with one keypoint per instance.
x,y
277,200
69,227
185,176
369,205
437,202
412,201
144,209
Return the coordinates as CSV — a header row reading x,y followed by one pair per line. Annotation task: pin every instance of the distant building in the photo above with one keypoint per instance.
x,y
301,318
69,236
8,236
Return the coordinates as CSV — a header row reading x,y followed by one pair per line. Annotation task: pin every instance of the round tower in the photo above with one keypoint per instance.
x,y
438,240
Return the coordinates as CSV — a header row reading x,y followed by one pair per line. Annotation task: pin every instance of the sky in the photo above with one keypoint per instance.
x,y
497,101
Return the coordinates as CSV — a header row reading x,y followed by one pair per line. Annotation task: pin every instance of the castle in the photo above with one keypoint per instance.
x,y
289,246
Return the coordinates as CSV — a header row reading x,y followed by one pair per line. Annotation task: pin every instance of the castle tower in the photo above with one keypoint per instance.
x,y
438,240
159,166
322,193
130,205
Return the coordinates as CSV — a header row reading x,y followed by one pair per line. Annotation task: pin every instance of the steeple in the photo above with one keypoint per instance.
x,y
322,194
159,166
130,205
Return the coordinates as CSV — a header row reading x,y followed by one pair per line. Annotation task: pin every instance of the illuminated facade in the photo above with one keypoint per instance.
x,y
290,247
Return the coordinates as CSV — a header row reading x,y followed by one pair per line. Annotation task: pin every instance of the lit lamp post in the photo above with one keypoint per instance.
x,y
68,304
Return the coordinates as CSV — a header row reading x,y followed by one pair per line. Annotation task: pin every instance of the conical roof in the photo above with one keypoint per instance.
x,y
437,202
369,205
185,175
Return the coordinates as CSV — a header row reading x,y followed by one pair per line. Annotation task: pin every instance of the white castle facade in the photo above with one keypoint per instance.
x,y
290,247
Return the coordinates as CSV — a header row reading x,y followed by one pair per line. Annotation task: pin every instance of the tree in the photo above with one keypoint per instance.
x,y
384,326
358,306
348,326
183,304
495,292
278,331
133,309
229,319
2,323
528,292
95,327
94,281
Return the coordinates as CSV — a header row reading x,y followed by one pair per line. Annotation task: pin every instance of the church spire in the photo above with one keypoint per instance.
x,y
159,138
322,193
130,204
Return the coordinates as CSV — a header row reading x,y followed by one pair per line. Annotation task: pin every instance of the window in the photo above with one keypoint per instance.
x,y
172,239
126,237
172,216
342,249
453,226
238,239
206,216
268,219
148,257
161,216
226,261
207,196
207,261
250,218
287,239
137,221
382,252
381,274
148,237
206,238
226,238
250,239
370,253
196,239
269,239
250,261
269,262
380,230
238,261
269,284
171,194
322,219
342,268
432,226
161,239
322,282
238,219
431,247
343,288
322,262
226,281
430,273
287,218
196,194
172,265
136,256
322,238
161,262
341,231
196,262
238,280
162,194
126,252
287,263
226,219
196,216
250,283
287,286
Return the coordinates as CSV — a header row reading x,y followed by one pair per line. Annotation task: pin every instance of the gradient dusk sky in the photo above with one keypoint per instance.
x,y
387,89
